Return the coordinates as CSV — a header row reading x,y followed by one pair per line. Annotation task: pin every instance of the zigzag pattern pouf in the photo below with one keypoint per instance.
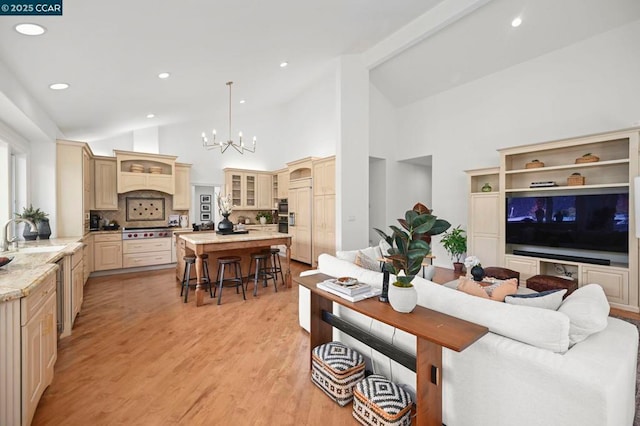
x,y
378,401
336,368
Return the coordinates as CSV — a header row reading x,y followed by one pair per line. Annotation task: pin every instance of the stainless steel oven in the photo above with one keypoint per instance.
x,y
283,215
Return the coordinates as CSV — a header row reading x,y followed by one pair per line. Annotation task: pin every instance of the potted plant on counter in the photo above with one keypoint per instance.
x,y
39,218
407,252
264,217
455,243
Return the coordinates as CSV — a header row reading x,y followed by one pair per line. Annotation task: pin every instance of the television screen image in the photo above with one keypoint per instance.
x,y
588,222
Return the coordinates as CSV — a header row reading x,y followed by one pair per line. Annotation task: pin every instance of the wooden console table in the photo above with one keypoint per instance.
x,y
433,331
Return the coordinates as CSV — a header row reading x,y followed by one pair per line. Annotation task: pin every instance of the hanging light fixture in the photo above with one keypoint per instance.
x,y
240,146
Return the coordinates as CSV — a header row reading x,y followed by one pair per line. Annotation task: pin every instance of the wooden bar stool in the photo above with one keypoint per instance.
x,y
186,276
276,266
261,271
233,262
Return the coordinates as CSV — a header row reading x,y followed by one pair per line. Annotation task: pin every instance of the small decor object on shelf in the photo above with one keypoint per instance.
x,y
486,187
137,168
587,158
534,164
576,179
474,267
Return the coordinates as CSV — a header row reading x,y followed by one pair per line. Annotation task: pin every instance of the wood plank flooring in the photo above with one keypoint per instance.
x,y
140,356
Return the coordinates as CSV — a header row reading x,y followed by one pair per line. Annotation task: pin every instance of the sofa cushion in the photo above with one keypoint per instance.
x,y
350,255
587,309
550,299
366,262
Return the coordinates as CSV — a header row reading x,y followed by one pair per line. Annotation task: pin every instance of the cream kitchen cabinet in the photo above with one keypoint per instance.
x,y
77,283
39,345
107,251
158,172
87,257
324,176
324,226
155,251
283,183
105,184
73,188
300,200
614,281
527,266
182,194
264,194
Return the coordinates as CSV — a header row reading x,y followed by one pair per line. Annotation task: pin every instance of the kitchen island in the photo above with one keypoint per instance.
x,y
241,245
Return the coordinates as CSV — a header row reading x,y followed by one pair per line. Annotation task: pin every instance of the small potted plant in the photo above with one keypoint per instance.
x,y
264,217
408,250
39,218
455,243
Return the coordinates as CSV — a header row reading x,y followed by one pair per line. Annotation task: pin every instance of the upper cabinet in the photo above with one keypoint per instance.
x,y
324,176
182,194
140,171
283,183
74,183
264,196
249,189
105,184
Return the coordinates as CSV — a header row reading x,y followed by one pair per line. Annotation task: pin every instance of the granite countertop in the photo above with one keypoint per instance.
x,y
210,237
28,270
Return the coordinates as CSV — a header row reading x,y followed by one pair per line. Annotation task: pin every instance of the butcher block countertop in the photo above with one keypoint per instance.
x,y
27,271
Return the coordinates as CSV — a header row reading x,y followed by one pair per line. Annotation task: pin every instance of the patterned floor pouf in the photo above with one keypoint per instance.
x,y
378,401
336,368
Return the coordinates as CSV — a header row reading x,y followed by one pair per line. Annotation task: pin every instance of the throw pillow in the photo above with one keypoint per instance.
x,y
471,287
587,309
372,252
502,289
384,247
550,299
364,261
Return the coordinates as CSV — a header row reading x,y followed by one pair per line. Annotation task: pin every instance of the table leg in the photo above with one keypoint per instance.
x,y
199,287
429,383
287,275
319,331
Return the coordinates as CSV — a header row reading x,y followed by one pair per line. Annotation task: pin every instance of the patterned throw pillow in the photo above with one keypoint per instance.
x,y
497,291
550,299
364,261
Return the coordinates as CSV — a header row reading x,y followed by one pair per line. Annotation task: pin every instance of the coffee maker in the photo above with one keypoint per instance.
x,y
94,222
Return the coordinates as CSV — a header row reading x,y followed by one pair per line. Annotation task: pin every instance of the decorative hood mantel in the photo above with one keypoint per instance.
x,y
138,171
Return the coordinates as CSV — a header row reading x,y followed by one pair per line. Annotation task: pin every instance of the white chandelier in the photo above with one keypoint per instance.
x,y
240,146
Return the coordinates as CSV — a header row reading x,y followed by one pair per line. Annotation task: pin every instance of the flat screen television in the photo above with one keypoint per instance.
x,y
585,222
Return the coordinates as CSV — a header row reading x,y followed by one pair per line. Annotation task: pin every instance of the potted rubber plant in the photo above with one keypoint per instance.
x,y
39,218
407,252
455,243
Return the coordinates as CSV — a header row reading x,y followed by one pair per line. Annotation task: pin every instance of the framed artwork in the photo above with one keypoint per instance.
x,y
205,217
205,207
205,199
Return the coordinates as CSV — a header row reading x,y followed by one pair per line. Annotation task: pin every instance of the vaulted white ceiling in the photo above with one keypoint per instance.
x,y
111,52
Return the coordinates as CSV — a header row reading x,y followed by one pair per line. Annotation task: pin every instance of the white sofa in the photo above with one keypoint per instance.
x,y
521,373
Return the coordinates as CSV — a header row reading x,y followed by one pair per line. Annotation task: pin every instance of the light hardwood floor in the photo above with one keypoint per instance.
x,y
140,356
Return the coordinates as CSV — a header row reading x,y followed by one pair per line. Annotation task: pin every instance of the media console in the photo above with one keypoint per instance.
x,y
555,256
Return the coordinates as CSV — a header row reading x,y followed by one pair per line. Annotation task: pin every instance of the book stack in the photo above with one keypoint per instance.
x,y
352,293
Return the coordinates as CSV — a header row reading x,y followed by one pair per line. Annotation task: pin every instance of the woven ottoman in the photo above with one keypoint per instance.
x,y
378,401
549,282
336,368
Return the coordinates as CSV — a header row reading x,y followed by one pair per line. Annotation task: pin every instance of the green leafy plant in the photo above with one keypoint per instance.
x,y
455,243
266,214
408,245
34,215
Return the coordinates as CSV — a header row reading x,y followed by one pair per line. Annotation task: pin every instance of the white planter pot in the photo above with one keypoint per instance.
x,y
263,220
429,272
403,299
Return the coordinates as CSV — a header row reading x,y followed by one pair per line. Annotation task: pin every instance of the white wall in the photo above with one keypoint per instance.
x,y
589,87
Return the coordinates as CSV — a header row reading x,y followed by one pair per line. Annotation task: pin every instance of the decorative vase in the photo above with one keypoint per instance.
x,y
477,272
44,230
429,272
457,267
263,220
27,234
403,299
225,224
486,187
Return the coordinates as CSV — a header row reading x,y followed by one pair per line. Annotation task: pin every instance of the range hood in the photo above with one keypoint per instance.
x,y
139,171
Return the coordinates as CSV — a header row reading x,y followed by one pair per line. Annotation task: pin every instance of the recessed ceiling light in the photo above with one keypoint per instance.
x,y
242,101
163,75
516,22
284,64
58,86
30,29
150,115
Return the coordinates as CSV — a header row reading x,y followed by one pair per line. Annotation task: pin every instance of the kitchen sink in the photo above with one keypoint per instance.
x,y
41,249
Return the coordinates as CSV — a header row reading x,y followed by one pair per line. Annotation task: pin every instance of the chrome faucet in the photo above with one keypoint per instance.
x,y
6,241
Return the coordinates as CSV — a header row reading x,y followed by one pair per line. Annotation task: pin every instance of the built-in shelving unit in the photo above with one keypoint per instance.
x,y
157,172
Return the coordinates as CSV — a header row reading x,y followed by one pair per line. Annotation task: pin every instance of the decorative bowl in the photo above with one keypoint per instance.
x,y
346,281
5,260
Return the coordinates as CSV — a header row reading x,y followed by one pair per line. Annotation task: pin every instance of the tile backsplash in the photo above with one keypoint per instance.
x,y
120,215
